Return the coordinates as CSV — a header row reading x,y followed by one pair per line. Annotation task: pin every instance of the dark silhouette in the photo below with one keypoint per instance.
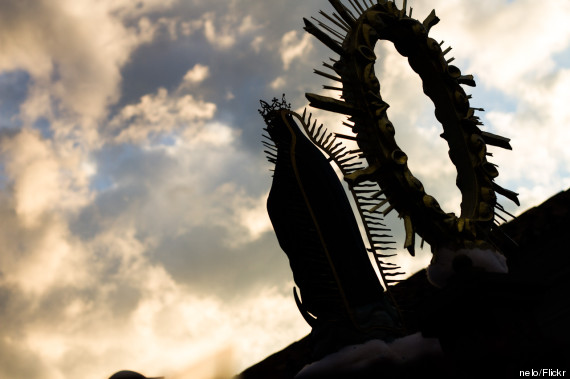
x,y
486,321
125,374
342,298
539,307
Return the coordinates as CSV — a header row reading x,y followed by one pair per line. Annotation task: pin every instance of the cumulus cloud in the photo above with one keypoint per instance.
x,y
293,46
80,271
73,52
158,114
37,259
495,29
256,43
221,38
196,74
224,30
278,83
114,283
43,177
518,59
162,328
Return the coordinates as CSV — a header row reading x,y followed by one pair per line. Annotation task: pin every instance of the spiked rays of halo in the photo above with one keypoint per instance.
x,y
352,32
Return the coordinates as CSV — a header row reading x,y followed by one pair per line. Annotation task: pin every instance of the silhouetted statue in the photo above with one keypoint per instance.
x,y
315,224
342,298
126,374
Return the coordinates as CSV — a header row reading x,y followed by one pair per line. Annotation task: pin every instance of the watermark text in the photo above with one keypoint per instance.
x,y
543,373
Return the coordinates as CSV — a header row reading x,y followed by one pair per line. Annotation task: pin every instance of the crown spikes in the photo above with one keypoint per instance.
x,y
316,134
352,167
336,16
320,137
377,194
373,209
343,12
269,146
430,20
390,268
513,196
326,140
329,29
337,149
328,76
376,236
410,235
380,243
383,248
394,273
325,64
323,37
332,88
388,210
344,153
359,176
500,207
467,80
363,190
358,6
344,136
379,255
378,229
346,160
499,216
328,147
374,222
330,104
337,23
496,140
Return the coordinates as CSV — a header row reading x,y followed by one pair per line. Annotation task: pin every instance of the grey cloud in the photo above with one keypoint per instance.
x,y
16,359
202,262
239,69
13,91
147,195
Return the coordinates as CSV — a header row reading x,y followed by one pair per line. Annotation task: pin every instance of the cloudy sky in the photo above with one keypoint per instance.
x,y
133,181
